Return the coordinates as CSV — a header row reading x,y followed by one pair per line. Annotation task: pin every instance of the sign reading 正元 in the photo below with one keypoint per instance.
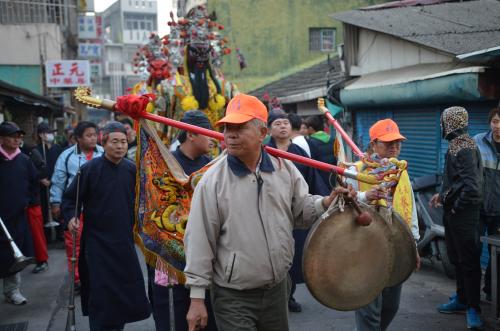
x,y
67,73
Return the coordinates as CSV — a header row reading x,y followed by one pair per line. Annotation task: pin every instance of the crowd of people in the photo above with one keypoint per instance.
x,y
248,220
46,172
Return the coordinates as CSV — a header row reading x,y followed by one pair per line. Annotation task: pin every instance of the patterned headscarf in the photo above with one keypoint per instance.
x,y
454,122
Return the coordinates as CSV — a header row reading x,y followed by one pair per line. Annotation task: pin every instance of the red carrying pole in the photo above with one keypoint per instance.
x,y
135,107
219,136
273,151
337,126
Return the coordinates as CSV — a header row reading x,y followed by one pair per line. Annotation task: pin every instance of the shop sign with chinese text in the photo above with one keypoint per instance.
x,y
89,27
89,50
67,73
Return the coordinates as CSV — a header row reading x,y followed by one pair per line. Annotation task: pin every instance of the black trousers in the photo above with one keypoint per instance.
x,y
464,251
489,225
95,326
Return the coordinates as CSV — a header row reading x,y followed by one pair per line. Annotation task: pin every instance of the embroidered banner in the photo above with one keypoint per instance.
x,y
163,197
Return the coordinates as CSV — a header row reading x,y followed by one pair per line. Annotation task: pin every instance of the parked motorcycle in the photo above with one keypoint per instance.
x,y
430,221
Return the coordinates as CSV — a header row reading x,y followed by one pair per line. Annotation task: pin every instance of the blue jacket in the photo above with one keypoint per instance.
x,y
66,168
491,172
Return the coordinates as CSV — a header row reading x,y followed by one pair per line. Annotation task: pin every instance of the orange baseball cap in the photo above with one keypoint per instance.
x,y
385,130
243,108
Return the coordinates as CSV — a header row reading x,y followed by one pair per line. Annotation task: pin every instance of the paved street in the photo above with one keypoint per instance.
x,y
47,295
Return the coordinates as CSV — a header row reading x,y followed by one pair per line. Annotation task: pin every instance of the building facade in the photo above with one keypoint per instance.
x,y
127,25
278,37
409,63
35,31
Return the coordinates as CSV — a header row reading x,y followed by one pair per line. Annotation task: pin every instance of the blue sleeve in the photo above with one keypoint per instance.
x,y
59,179
77,189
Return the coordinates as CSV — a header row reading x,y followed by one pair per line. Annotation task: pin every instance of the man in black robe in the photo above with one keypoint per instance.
x,y
18,186
112,285
35,214
50,151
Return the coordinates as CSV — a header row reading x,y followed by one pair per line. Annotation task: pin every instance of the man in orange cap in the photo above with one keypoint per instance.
x,y
239,235
385,142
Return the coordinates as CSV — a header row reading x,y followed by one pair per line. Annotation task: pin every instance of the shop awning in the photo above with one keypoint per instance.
x,y
24,99
419,84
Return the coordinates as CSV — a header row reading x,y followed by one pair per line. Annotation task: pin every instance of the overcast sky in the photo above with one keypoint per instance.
x,y
164,9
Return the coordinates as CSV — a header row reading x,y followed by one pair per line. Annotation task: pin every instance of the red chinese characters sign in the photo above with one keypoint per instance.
x,y
67,73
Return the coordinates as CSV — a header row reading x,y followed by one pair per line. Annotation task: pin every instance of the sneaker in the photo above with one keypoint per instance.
x,y
294,306
474,321
40,267
16,298
452,307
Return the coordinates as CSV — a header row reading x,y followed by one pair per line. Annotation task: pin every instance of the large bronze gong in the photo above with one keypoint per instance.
x,y
346,265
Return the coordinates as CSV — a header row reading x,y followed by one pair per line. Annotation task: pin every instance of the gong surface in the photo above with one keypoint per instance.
x,y
405,251
346,265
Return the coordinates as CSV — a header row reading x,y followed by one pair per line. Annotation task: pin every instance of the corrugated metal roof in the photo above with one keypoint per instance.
x,y
453,27
304,82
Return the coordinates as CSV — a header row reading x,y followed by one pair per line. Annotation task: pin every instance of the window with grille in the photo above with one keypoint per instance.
x,y
140,22
30,11
322,39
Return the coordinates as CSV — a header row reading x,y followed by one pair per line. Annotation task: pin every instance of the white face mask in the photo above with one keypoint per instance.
x,y
49,137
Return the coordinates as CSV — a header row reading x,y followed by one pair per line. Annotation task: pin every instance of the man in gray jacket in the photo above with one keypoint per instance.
x,y
489,147
239,234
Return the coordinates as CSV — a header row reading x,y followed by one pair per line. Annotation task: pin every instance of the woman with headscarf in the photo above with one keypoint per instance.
x,y
461,199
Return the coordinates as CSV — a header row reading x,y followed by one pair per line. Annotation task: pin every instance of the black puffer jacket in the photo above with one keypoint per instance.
x,y
463,172
462,180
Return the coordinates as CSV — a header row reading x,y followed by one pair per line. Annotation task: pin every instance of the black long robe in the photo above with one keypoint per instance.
x,y
112,289
18,188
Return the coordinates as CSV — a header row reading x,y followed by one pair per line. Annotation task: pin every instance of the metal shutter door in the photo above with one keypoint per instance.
x,y
421,149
